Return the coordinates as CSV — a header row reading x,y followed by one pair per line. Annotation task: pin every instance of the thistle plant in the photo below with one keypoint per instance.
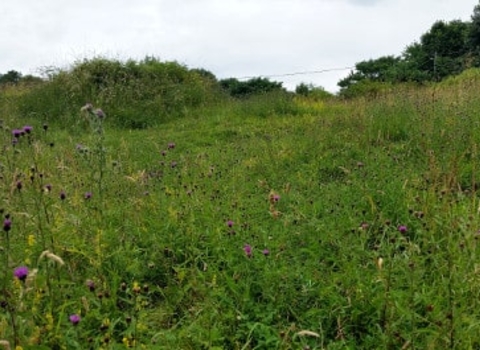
x,y
95,118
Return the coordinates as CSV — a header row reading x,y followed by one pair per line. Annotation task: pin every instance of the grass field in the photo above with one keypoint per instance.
x,y
333,225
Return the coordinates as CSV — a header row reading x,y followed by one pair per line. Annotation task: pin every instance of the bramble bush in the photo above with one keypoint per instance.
x,y
136,94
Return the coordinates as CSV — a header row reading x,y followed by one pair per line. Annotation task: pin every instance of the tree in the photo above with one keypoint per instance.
x,y
253,86
31,79
315,92
447,43
474,32
416,63
303,89
11,77
474,35
383,69
442,51
446,39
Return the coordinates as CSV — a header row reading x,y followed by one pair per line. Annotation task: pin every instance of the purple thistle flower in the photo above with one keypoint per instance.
x,y
74,319
266,252
21,273
364,226
16,133
88,195
91,285
28,129
276,197
248,250
171,145
230,223
63,195
7,224
164,153
402,228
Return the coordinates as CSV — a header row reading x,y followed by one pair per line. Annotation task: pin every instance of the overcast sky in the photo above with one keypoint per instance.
x,y
230,38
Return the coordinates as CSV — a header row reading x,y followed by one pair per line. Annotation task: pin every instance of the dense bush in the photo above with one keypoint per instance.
x,y
366,88
314,92
254,86
134,94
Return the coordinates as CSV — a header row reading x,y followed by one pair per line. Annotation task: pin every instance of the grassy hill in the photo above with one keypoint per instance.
x,y
271,222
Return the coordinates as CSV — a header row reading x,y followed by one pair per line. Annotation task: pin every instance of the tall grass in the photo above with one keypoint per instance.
x,y
272,223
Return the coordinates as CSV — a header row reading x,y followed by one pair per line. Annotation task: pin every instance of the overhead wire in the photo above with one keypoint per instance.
x,y
296,73
320,71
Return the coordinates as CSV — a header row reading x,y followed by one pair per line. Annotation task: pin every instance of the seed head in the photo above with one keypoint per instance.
x,y
48,254
379,263
5,344
99,113
87,108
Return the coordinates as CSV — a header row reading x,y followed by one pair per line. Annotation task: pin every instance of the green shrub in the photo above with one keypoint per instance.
x,y
366,88
133,94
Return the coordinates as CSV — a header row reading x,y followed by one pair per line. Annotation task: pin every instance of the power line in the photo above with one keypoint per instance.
x,y
296,73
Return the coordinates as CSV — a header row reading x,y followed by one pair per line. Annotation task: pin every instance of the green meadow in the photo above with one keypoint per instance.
x,y
167,215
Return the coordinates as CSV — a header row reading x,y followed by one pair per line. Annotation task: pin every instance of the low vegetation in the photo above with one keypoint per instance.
x,y
179,217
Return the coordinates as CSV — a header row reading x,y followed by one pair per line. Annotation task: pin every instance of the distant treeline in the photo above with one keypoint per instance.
x,y
14,77
447,49
105,71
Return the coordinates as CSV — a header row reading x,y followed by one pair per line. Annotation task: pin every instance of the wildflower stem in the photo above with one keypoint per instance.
x,y
412,303
6,256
